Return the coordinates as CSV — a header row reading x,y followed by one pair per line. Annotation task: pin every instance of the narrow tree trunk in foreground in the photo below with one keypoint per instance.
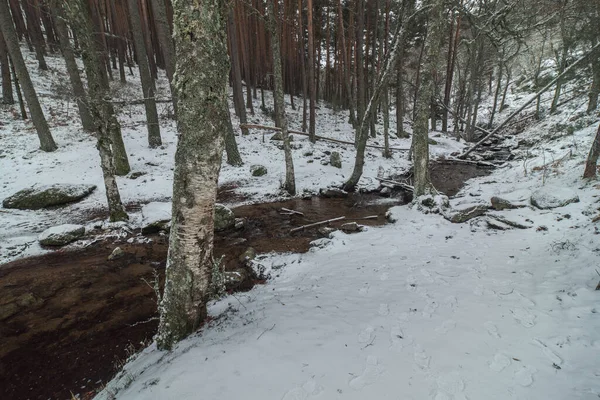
x,y
201,81
18,90
7,94
432,64
290,181
233,154
100,108
312,86
154,139
12,44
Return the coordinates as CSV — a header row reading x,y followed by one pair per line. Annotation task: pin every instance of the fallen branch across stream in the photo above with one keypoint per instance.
x,y
287,211
402,185
316,224
274,128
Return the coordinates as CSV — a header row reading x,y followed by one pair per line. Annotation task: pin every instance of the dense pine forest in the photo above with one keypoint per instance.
x,y
299,199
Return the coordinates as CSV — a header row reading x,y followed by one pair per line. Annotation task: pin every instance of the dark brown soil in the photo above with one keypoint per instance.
x,y
450,178
75,315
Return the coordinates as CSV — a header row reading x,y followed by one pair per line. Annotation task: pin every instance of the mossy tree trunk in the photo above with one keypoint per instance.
x,y
432,64
101,110
290,180
14,50
71,64
201,81
154,139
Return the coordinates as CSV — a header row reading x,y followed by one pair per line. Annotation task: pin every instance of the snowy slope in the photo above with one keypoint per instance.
x,y
421,309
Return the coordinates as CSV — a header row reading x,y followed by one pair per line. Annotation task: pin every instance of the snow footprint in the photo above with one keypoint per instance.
x,y
524,376
310,388
500,362
363,291
492,329
450,386
421,358
427,275
552,356
446,326
384,276
384,309
367,335
451,302
524,317
371,373
398,339
430,308
411,283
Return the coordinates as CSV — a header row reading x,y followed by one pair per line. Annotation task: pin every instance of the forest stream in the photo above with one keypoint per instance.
x,y
78,316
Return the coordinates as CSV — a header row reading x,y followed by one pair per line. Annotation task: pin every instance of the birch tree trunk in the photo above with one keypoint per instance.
x,y
71,64
154,139
432,64
201,81
290,181
100,108
12,44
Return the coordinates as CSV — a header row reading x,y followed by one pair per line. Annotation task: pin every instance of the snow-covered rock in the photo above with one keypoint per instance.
x,y
61,235
224,218
156,216
44,196
460,215
499,203
553,197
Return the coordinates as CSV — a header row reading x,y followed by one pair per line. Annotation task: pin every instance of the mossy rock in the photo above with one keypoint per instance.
x,y
432,142
258,170
224,218
35,198
61,235
335,160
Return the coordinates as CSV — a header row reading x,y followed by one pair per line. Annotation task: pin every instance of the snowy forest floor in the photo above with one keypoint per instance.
x,y
418,309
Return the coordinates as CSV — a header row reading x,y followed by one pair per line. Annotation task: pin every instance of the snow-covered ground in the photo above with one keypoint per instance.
x,y
77,161
419,309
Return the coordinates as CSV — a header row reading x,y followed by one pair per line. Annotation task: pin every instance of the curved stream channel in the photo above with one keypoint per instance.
x,y
68,319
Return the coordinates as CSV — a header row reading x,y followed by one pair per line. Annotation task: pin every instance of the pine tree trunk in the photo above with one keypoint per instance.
x,y
238,93
346,65
592,159
385,103
595,88
14,50
101,110
7,94
432,63
290,181
231,148
360,66
312,86
201,81
154,139
72,69
163,31
18,90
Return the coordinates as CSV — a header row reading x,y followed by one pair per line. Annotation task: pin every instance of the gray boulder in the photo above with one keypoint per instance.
x,y
500,204
224,218
35,198
61,235
258,170
458,216
335,160
351,227
553,197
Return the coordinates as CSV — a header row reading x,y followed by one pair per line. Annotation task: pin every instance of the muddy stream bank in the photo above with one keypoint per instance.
x,y
68,319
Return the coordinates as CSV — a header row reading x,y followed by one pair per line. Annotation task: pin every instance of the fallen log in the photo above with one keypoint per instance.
x,y
274,128
399,184
316,224
291,212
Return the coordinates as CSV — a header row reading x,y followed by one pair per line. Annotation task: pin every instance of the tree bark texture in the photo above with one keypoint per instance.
x,y
592,159
100,108
201,81
290,181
